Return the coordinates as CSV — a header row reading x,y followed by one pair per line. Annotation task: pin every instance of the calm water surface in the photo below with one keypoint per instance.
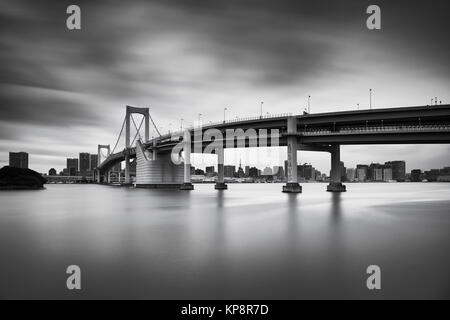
x,y
248,242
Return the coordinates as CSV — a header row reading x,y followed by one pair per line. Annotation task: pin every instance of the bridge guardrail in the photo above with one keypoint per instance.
x,y
417,128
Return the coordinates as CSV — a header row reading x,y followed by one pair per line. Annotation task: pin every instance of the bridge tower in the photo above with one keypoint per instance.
x,y
100,147
292,185
133,110
335,179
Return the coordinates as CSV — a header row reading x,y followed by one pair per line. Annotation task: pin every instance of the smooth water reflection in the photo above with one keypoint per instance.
x,y
250,241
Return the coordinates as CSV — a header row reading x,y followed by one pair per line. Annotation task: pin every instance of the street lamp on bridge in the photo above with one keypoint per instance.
x,y
181,124
262,102
309,105
224,109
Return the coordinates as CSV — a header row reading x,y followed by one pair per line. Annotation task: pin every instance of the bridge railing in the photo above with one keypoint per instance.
x,y
371,129
216,123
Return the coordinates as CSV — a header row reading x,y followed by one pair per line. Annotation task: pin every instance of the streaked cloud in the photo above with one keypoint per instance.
x,y
184,57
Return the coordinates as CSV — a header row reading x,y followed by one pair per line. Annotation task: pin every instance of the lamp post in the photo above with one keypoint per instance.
x,y
309,105
199,117
181,124
262,102
357,106
224,109
370,98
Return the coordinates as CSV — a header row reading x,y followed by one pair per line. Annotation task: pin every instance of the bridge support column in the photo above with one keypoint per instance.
x,y
335,177
187,185
127,169
292,185
220,183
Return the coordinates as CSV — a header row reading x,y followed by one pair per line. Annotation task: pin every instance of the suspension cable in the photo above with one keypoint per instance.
x,y
154,125
118,138
137,132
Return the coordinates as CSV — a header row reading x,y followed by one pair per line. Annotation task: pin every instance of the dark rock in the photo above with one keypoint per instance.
x,y
16,178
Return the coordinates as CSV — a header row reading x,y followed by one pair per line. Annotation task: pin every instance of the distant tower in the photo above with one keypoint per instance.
x,y
240,172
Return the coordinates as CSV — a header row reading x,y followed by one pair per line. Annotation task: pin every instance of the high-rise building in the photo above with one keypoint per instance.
x,y
416,175
378,174
387,174
305,172
343,171
398,169
84,162
93,161
371,175
351,174
18,160
318,175
72,166
253,172
209,171
278,171
229,171
431,175
240,172
362,172
247,171
267,171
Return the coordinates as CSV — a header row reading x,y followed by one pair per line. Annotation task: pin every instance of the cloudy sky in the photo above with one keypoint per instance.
x,y
63,92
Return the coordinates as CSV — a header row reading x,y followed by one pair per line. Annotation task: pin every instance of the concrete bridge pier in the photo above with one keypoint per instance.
x,y
335,177
127,169
187,184
220,183
292,185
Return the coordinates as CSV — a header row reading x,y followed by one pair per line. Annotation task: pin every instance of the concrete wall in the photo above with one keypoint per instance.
x,y
159,171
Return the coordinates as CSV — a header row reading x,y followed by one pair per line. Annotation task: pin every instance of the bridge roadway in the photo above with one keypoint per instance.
x,y
314,132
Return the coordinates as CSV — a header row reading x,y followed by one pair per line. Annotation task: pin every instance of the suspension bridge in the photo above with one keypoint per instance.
x,y
323,132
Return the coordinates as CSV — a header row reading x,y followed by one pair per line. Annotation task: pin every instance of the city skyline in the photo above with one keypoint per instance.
x,y
213,162
235,62
231,170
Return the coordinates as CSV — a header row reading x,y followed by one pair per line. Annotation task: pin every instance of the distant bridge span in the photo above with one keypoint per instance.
x,y
315,132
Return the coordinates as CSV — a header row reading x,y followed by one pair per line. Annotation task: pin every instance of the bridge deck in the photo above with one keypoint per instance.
x,y
408,125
